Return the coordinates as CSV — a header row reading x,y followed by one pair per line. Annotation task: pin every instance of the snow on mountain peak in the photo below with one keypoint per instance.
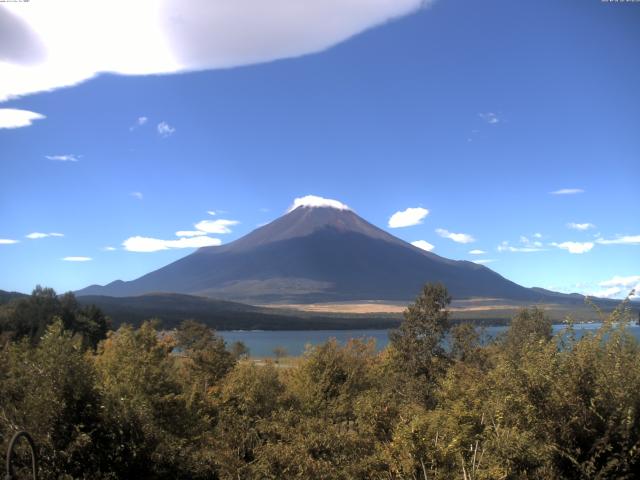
x,y
313,201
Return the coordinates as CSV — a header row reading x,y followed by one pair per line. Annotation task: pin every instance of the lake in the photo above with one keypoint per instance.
x,y
262,342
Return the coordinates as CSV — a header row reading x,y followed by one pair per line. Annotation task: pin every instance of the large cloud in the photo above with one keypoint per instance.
x,y
15,118
148,244
407,218
47,45
574,247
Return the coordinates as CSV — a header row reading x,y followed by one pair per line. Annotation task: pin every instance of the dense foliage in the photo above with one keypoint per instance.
x,y
146,404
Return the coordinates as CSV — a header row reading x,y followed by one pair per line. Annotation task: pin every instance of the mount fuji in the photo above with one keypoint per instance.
x,y
320,251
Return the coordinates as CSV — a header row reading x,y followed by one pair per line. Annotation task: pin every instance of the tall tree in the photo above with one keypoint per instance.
x,y
418,340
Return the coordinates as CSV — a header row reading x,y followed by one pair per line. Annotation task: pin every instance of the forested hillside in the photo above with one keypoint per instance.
x,y
527,406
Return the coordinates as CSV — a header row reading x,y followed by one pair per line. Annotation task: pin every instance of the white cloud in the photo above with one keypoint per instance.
x,y
626,282
567,191
137,195
77,259
618,287
147,244
477,252
65,42
509,248
423,244
575,247
580,226
607,292
190,233
14,118
165,130
140,121
216,226
36,235
530,243
537,235
489,117
109,249
8,241
624,240
313,201
456,237
69,157
482,261
527,248
407,218
211,212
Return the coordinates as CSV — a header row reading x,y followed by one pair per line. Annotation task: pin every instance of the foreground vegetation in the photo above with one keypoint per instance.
x,y
528,405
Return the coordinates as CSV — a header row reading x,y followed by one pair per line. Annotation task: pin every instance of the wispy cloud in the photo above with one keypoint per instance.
x,y
77,259
580,226
407,218
456,237
567,191
140,121
483,261
8,241
530,243
148,244
36,235
524,247
619,286
14,118
165,130
220,226
574,247
423,244
622,240
607,292
69,157
477,252
630,281
489,117
211,212
137,195
175,36
109,249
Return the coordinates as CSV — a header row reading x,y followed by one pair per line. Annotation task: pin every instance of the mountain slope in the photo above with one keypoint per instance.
x,y
315,254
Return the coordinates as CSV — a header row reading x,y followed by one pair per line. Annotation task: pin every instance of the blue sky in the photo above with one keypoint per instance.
x,y
474,111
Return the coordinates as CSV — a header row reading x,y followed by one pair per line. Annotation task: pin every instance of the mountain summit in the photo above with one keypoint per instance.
x,y
319,251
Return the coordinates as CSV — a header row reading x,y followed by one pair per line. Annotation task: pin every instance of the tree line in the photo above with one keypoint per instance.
x,y
135,403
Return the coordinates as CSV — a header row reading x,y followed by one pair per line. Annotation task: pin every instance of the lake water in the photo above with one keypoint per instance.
x,y
261,342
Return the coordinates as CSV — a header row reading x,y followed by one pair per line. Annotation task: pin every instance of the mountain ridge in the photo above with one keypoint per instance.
x,y
318,254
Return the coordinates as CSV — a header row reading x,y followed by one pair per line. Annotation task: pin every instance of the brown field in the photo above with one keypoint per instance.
x,y
479,305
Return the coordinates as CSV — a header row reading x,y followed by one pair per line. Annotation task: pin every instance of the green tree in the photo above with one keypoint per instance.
x,y
30,316
206,358
50,390
418,341
529,325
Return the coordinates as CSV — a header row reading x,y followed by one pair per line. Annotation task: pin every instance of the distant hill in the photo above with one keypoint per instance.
x,y
320,254
172,309
6,297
